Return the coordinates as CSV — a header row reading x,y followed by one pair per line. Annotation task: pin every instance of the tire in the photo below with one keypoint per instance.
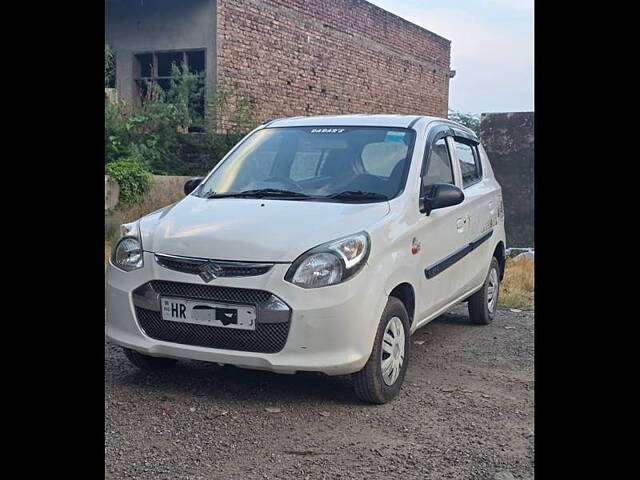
x,y
370,384
484,303
147,362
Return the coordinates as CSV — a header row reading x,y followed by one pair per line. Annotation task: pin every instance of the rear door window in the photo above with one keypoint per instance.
x,y
469,162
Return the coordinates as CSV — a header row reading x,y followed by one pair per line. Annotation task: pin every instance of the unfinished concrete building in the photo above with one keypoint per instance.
x,y
284,57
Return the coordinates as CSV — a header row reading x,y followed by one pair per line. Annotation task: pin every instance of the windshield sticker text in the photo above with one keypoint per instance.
x,y
327,130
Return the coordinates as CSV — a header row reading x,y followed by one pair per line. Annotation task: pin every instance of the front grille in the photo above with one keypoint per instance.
x,y
269,336
266,338
243,296
227,269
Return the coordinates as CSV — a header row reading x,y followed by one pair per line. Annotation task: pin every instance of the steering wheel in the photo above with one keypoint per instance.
x,y
287,182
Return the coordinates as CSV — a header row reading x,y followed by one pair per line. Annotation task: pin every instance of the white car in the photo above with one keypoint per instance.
x,y
317,244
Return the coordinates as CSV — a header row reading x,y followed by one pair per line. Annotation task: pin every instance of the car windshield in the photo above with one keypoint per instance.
x,y
346,164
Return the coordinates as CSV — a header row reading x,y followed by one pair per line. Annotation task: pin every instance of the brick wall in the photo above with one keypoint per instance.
x,y
307,57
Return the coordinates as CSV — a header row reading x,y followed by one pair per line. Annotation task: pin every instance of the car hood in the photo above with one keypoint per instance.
x,y
260,230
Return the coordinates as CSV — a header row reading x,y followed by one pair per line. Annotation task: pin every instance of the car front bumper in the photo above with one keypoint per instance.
x,y
331,329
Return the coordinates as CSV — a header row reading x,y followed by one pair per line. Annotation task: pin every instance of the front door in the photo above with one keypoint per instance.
x,y
443,232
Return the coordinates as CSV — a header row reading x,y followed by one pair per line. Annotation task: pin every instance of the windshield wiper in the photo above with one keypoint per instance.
x,y
277,193
260,193
358,195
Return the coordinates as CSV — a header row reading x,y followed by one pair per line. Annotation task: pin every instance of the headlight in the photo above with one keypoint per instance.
x,y
330,263
127,255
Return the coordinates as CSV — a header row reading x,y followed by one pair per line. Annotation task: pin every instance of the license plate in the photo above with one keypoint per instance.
x,y
208,313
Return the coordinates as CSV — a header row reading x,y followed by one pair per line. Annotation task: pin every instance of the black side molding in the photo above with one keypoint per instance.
x,y
480,240
449,260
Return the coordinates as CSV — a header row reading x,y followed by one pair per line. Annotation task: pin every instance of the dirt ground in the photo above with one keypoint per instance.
x,y
466,410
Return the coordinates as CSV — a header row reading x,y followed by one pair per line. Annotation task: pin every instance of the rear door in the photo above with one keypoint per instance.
x,y
480,207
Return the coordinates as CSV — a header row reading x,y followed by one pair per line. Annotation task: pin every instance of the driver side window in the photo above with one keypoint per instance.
x,y
440,169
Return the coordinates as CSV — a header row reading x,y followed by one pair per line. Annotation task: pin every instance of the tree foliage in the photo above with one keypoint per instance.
x,y
469,120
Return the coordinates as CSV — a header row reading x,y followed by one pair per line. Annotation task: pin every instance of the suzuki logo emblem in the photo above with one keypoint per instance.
x,y
210,271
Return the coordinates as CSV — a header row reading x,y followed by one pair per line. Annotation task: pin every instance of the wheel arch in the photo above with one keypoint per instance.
x,y
406,294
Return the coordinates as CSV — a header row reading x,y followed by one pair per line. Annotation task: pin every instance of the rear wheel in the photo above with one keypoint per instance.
x,y
383,374
484,303
147,362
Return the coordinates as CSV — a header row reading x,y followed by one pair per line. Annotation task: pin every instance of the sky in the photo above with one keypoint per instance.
x,y
491,49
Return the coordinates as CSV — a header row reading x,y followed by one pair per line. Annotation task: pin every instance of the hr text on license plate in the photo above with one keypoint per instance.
x,y
208,313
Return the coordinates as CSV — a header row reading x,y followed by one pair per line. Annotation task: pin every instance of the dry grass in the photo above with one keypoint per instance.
x,y
517,288
164,191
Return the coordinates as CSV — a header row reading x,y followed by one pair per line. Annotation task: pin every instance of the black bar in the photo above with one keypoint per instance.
x,y
446,262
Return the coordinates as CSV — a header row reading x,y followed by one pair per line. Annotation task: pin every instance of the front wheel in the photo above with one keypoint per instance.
x,y
484,303
383,374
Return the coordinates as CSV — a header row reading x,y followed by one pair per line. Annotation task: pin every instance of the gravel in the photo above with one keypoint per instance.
x,y
466,410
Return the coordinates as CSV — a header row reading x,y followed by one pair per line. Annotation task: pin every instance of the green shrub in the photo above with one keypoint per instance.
x,y
149,131
114,131
195,153
152,132
132,177
187,90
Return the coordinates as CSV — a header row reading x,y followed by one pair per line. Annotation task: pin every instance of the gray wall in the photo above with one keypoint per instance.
x,y
136,26
509,141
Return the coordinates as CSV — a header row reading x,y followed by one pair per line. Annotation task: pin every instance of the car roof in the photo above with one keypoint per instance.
x,y
363,120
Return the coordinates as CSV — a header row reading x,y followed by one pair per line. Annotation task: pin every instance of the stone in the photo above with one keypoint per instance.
x,y
111,192
503,476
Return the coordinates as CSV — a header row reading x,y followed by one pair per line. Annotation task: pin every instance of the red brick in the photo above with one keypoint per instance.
x,y
306,57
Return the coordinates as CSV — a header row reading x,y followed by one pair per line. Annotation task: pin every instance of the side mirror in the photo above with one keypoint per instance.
x,y
440,195
191,184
